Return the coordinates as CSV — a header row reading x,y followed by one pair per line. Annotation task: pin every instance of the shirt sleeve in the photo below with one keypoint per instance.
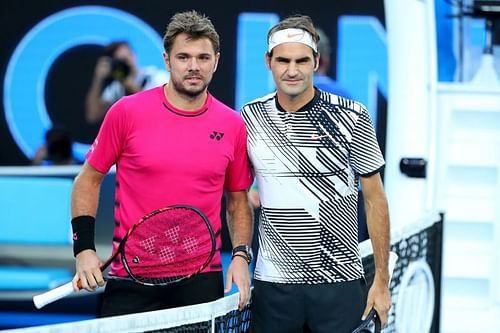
x,y
366,157
238,175
108,145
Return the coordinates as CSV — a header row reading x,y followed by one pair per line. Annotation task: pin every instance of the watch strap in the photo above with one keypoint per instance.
x,y
242,251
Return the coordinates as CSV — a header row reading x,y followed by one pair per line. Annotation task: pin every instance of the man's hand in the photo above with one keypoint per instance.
x,y
102,68
239,274
379,297
88,271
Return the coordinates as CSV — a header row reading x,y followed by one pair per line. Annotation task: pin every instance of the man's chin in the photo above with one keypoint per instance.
x,y
190,90
292,91
193,92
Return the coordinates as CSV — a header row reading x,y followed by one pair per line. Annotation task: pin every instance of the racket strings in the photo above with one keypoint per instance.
x,y
159,271
148,244
171,244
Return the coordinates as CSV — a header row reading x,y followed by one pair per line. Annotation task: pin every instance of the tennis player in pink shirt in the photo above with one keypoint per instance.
x,y
173,144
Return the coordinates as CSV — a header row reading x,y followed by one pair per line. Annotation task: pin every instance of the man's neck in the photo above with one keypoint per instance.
x,y
295,103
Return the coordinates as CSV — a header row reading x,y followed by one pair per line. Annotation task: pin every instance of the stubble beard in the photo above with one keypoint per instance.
x,y
191,94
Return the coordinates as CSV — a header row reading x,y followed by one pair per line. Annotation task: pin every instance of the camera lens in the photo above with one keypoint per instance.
x,y
119,69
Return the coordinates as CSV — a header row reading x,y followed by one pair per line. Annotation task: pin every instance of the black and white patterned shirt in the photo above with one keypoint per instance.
x,y
307,165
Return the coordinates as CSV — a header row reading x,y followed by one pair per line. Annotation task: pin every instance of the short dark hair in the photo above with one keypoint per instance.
x,y
296,21
194,24
324,47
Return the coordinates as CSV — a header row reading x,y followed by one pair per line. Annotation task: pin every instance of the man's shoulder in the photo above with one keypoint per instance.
x,y
223,110
340,103
269,98
138,99
219,105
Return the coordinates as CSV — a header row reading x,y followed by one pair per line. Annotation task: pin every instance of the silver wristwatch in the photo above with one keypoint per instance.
x,y
243,251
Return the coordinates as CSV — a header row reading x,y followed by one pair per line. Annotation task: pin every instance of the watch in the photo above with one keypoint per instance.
x,y
243,251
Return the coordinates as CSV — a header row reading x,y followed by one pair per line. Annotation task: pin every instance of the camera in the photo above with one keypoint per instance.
x,y
119,69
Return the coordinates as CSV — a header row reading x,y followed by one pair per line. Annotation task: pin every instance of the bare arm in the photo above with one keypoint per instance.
x,y
240,225
95,106
240,220
85,193
84,201
377,217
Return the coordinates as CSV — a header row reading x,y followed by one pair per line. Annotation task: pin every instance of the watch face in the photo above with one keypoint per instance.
x,y
249,253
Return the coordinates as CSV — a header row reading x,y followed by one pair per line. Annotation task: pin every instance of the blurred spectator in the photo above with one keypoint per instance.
x,y
117,74
56,150
321,78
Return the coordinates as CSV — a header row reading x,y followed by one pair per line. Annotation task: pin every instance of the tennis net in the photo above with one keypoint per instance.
x,y
221,315
415,284
416,279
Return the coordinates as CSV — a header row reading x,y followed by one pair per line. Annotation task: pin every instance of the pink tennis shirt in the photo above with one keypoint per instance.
x,y
166,156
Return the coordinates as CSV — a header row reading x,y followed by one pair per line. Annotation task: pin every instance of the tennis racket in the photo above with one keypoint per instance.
x,y
372,321
166,246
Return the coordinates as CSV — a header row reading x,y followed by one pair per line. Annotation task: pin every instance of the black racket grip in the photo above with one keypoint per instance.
x,y
365,324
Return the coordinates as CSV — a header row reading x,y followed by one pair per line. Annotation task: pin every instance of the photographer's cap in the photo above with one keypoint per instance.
x,y
291,35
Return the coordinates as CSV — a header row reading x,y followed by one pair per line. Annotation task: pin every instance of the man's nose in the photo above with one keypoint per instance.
x,y
193,64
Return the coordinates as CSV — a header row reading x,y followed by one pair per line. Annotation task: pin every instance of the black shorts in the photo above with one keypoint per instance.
x,y
323,308
124,296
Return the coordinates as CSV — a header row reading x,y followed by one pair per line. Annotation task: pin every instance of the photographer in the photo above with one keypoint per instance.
x,y
116,75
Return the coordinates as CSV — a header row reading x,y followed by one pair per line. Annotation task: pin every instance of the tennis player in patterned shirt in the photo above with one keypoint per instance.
x,y
310,150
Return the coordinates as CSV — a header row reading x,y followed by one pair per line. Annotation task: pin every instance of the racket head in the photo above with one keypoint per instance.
x,y
168,245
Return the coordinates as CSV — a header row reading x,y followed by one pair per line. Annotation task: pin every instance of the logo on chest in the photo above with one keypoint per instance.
x,y
216,135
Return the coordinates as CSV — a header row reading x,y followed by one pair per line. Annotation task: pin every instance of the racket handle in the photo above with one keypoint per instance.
x,y
53,295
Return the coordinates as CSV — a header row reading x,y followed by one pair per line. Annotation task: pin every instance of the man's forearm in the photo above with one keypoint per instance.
x,y
85,192
379,231
240,221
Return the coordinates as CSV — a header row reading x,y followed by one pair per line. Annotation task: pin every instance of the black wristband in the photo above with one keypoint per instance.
x,y
83,233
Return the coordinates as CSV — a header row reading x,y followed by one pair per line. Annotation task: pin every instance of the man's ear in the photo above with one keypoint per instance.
x,y
166,60
267,57
316,61
217,57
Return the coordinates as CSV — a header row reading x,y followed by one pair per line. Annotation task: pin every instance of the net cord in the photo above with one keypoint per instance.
x,y
145,321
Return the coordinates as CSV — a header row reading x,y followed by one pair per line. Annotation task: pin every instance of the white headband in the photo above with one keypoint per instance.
x,y
291,36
